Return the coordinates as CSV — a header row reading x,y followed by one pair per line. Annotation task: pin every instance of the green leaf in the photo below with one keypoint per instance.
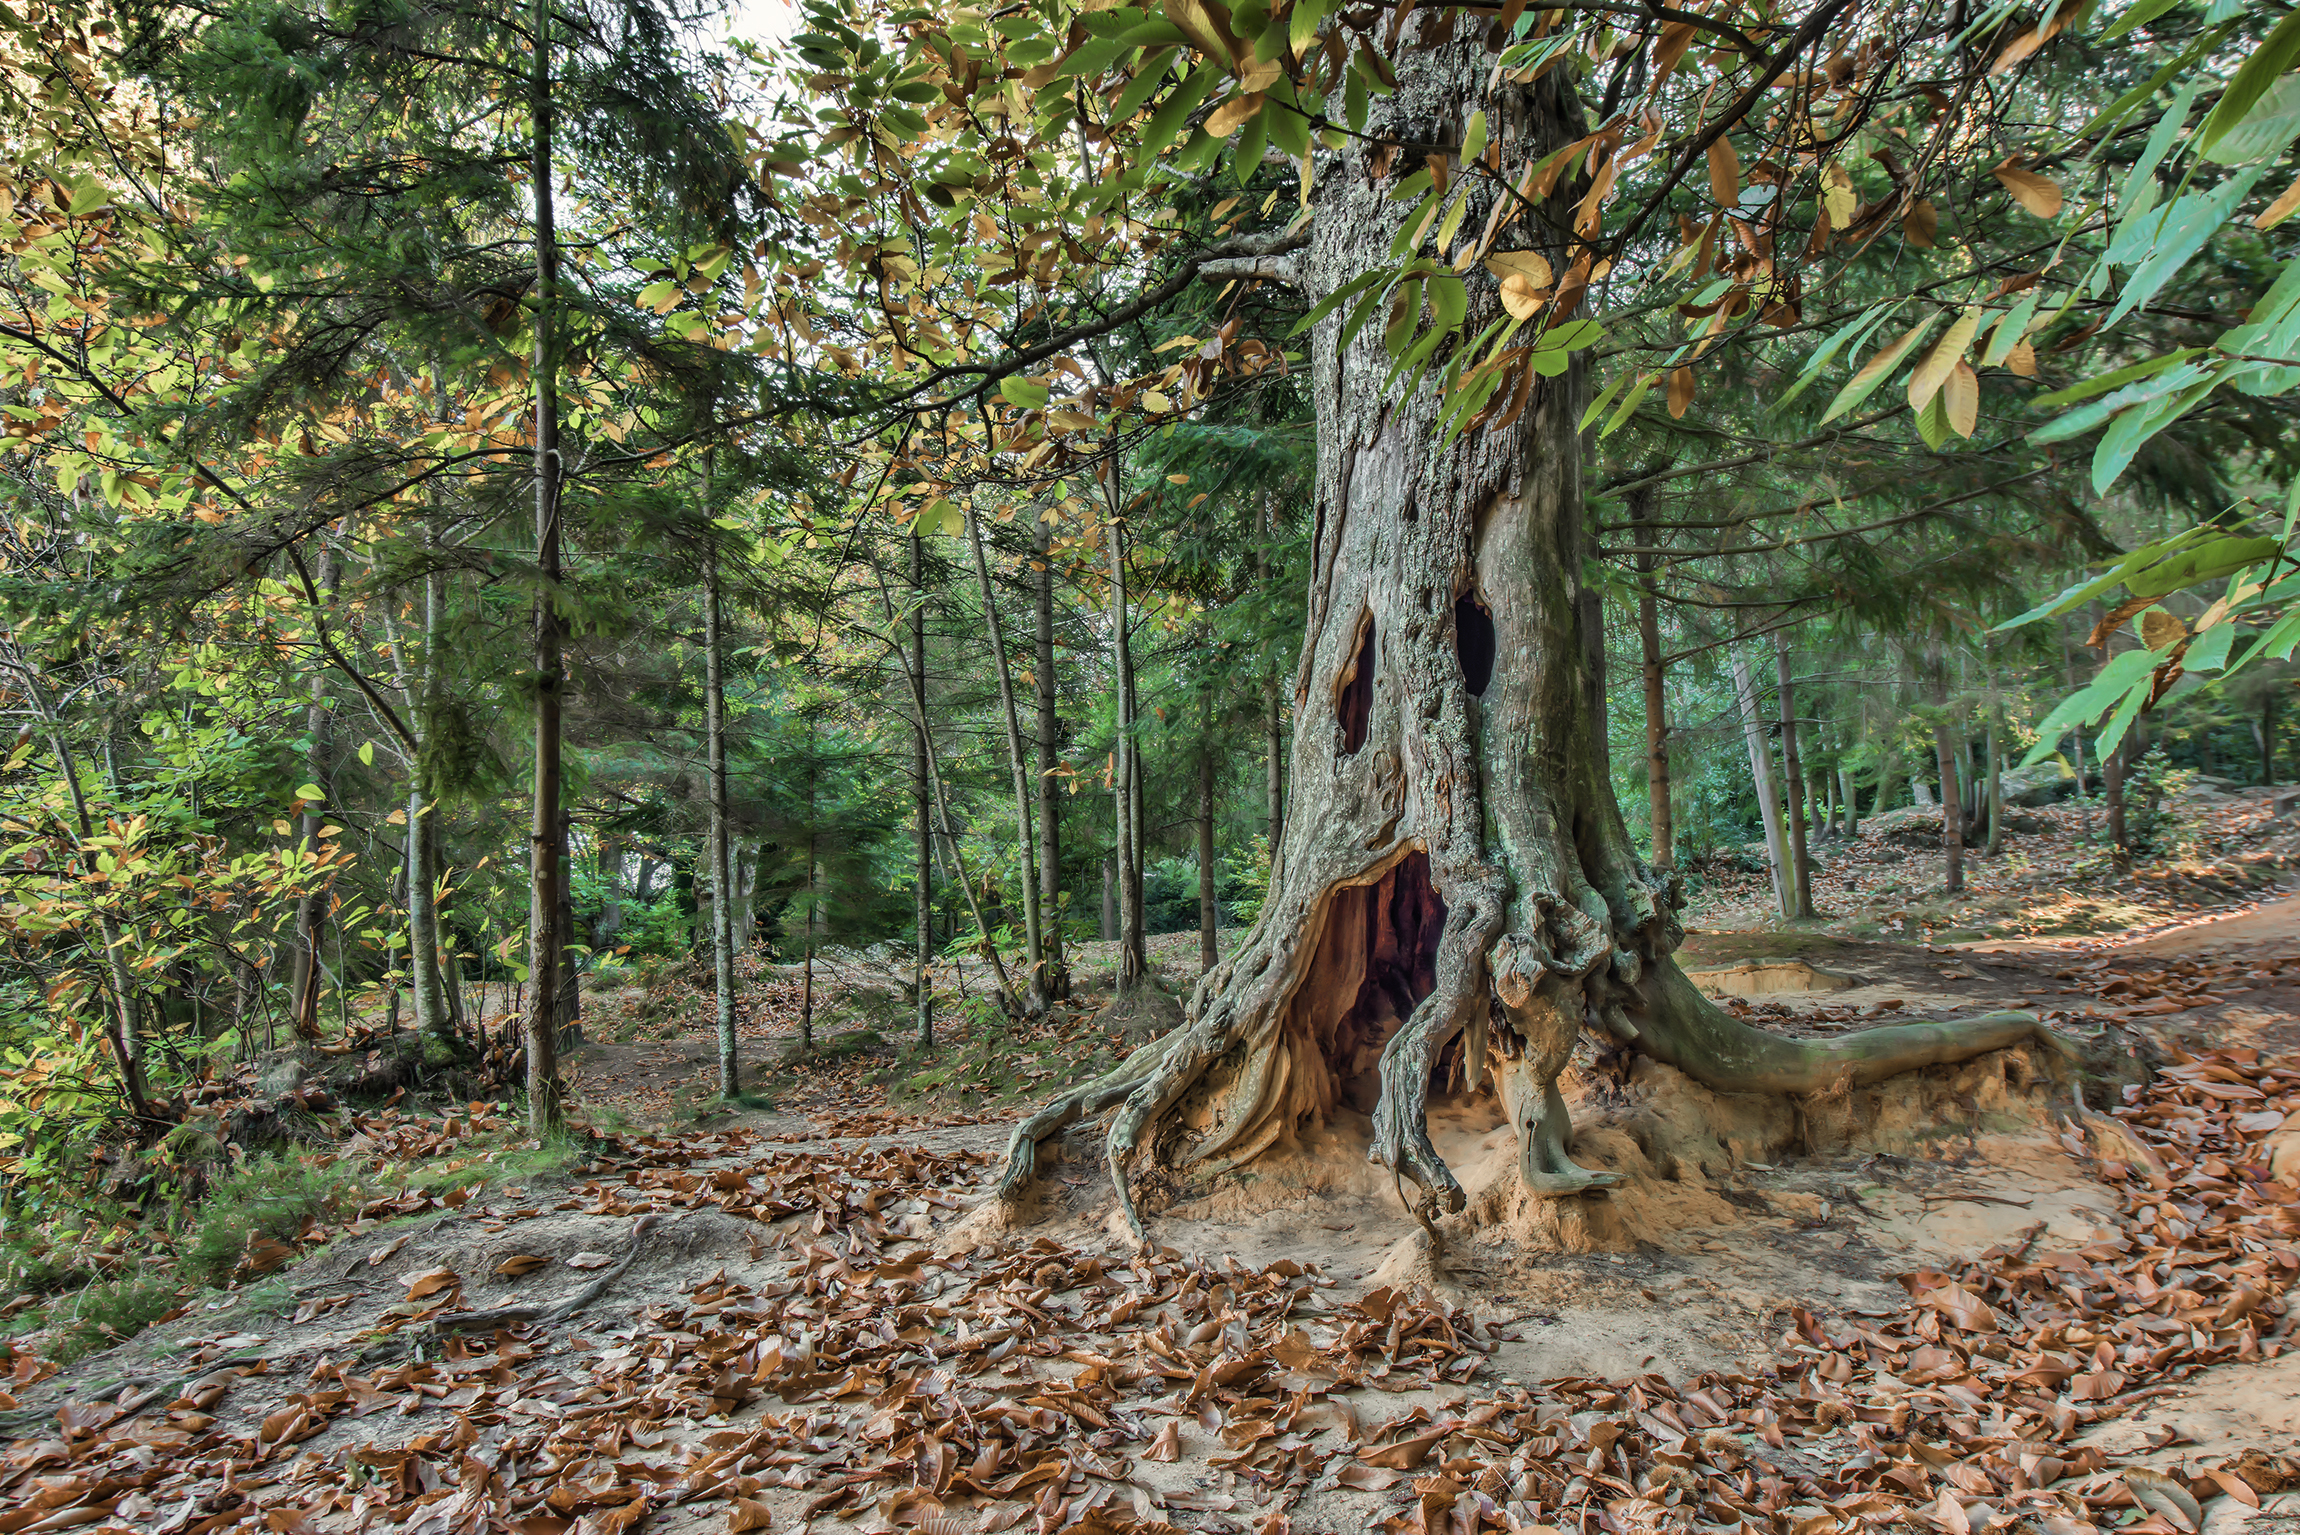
x,y
2277,52
2010,329
2183,231
312,792
1473,138
1874,370
2205,562
1019,391
1175,111
2113,380
1148,76
2093,586
367,754
2116,111
1855,331
1629,404
88,196
1933,420
1597,406
2139,15
2141,179
2273,123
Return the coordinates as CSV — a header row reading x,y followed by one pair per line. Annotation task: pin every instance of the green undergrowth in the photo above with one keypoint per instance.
x,y
94,1276
986,1059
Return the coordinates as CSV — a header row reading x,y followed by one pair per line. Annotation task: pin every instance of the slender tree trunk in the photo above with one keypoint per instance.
x,y
547,839
2112,769
312,907
1656,691
2264,736
1025,805
1133,960
722,865
1209,919
122,1031
1946,750
1793,778
1996,789
1057,969
1109,899
923,789
1761,770
1849,796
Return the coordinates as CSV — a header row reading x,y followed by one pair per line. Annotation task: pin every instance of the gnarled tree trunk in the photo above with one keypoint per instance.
x,y
1454,866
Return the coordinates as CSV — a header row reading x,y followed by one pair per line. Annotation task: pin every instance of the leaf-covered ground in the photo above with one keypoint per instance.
x,y
789,1341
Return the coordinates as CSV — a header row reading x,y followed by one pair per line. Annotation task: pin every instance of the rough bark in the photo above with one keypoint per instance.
x,y
547,830
1996,788
1455,871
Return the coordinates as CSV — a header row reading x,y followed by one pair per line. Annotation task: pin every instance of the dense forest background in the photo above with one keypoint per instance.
x,y
341,707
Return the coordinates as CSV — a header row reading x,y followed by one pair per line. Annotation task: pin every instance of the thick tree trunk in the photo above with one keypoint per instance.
x,y
1849,798
1793,779
1057,969
547,833
1768,793
1454,867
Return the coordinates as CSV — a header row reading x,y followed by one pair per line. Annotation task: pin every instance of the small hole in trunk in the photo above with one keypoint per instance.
x,y
1474,641
1356,705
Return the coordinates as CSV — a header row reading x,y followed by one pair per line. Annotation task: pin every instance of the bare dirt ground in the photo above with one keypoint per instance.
x,y
1940,1304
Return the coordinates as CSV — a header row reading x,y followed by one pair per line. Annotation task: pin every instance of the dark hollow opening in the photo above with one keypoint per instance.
x,y
1474,641
1390,929
1356,705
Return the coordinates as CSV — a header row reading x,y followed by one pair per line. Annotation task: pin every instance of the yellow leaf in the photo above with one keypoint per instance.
x,y
2281,209
1838,199
1947,352
1680,391
2031,191
2022,359
1962,398
1232,115
1530,265
1724,173
1521,298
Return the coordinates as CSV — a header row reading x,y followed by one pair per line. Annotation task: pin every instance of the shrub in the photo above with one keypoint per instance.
x,y
268,1198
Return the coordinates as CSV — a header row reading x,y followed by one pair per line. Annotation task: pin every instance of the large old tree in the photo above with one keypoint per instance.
x,y
1454,866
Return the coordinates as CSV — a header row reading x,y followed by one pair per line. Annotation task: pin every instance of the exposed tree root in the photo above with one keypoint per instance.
x,y
134,1393
557,1311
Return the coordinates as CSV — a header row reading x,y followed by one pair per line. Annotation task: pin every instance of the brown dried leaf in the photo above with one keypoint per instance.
x,y
431,1282
518,1264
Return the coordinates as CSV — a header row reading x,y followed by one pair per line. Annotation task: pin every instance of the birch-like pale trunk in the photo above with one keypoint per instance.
x,y
547,828
1768,791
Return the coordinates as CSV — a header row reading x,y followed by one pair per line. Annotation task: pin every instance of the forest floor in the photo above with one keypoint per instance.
x,y
1944,1308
